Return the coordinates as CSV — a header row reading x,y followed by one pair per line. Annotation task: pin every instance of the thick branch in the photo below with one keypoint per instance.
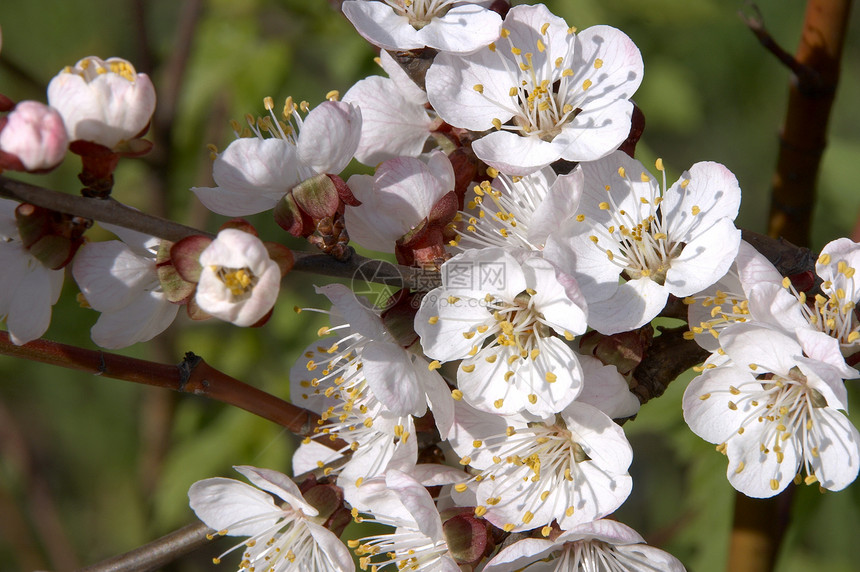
x,y
804,134
668,356
193,375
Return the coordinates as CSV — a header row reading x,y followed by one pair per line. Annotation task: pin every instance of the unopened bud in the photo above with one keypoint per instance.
x,y
104,102
32,138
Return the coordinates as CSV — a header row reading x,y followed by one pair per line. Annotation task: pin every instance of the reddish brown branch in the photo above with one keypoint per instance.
x,y
804,134
193,375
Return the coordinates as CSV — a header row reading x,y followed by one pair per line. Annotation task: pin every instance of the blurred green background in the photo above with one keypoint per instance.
x,y
91,467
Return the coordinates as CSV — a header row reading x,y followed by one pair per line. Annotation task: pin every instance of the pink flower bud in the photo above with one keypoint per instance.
x,y
33,138
105,102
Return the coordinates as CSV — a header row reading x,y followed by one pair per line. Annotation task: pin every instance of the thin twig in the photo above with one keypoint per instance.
x,y
104,210
755,22
357,268
158,552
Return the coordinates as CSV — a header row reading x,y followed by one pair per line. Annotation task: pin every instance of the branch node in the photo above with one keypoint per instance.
x,y
102,364
186,368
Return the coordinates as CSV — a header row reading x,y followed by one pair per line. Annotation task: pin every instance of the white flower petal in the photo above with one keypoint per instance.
x,y
143,318
379,24
634,304
606,389
392,123
392,378
595,132
110,275
462,29
337,556
838,457
712,188
516,155
704,259
329,136
222,503
278,484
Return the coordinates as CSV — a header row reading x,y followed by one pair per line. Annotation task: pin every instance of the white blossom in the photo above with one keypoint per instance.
x,y
395,121
284,536
774,413
592,546
28,289
677,240
549,92
418,542
239,282
120,280
571,468
103,101
506,320
273,154
396,199
445,25
519,212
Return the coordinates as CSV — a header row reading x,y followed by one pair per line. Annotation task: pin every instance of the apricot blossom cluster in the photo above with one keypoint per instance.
x,y
506,176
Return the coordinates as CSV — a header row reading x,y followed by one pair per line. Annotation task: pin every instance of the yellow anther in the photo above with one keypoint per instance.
x,y
478,87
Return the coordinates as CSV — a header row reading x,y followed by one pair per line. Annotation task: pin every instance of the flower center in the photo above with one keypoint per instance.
x,y
638,242
515,200
542,98
239,281
545,454
835,314
91,68
420,12
785,408
517,324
